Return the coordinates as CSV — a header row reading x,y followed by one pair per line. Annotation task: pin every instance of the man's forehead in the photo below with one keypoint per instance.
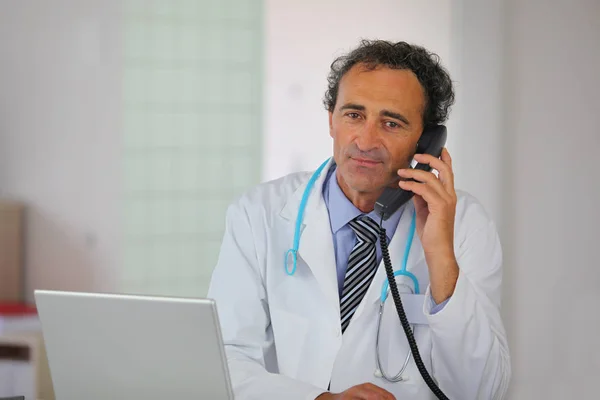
x,y
398,87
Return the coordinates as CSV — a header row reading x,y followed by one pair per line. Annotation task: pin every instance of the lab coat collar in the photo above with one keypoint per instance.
x,y
290,208
316,242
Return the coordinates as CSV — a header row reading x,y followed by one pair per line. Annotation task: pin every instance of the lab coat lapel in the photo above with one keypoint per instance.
x,y
316,240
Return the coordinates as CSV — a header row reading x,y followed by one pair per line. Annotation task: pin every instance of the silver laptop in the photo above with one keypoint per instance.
x,y
108,346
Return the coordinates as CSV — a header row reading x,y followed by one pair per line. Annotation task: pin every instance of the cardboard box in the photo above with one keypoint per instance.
x,y
11,251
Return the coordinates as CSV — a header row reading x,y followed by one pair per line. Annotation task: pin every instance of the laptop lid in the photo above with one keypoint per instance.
x,y
111,346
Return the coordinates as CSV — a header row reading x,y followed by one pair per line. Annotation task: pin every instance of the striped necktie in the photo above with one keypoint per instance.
x,y
362,265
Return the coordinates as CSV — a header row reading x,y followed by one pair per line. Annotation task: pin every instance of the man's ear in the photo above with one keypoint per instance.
x,y
330,124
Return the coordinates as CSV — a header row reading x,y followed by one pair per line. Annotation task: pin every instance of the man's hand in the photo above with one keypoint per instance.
x,y
366,391
435,205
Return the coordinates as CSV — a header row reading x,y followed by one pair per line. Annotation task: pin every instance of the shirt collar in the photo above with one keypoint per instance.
x,y
342,211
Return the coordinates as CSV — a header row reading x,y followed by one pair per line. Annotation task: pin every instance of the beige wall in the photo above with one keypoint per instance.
x,y
60,138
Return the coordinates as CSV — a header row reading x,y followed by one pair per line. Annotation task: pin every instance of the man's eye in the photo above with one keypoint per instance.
x,y
353,115
392,124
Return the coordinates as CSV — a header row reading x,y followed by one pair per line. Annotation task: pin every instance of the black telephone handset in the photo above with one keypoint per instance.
x,y
432,142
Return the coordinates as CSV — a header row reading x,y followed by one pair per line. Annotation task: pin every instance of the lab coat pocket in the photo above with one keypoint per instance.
x,y
412,385
394,347
289,332
413,307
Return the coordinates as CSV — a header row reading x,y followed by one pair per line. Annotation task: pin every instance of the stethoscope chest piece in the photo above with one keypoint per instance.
x,y
380,371
402,378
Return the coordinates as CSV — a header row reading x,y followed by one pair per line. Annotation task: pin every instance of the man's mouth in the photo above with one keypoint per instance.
x,y
365,162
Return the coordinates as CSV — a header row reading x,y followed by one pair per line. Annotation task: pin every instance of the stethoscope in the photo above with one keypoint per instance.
x,y
293,252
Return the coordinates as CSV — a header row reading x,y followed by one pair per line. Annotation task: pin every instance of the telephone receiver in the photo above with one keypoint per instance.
x,y
432,142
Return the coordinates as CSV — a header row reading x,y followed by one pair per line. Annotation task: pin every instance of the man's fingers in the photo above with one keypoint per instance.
x,y
426,192
385,395
446,157
443,166
368,391
448,160
426,178
435,202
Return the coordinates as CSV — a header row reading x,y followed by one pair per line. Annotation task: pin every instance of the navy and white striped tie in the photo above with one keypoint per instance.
x,y
362,265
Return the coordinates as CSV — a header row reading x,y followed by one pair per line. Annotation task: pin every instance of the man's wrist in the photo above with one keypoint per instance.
x,y
325,396
442,280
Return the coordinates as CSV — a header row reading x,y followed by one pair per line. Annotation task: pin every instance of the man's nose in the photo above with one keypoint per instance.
x,y
368,138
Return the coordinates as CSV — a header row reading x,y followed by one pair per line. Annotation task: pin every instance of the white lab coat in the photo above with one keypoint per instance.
x,y
282,333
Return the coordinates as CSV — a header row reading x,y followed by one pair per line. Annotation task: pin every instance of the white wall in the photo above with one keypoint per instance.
x,y
551,195
477,56
526,146
59,138
302,39
527,109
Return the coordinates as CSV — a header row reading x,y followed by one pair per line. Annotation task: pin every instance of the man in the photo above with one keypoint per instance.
x,y
303,325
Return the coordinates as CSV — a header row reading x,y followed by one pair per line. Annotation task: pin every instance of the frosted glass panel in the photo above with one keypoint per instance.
x,y
192,135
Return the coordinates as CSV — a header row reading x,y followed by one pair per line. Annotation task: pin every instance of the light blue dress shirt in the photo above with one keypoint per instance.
x,y
341,211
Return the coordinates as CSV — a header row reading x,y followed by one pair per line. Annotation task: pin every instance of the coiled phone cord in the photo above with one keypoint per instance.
x,y
403,320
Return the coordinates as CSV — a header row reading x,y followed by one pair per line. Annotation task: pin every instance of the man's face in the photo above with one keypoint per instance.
x,y
375,126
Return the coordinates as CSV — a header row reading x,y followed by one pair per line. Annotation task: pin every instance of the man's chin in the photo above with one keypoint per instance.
x,y
364,182
367,186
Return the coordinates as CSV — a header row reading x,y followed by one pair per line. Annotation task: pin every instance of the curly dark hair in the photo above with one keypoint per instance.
x,y
436,82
